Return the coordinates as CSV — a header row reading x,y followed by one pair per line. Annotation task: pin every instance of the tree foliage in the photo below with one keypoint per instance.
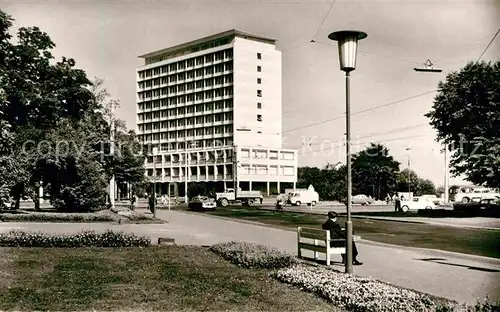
x,y
374,171
466,115
329,182
53,105
418,186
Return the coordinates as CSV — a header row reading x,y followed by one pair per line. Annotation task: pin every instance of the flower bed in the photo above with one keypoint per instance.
x,y
58,217
367,294
83,239
250,255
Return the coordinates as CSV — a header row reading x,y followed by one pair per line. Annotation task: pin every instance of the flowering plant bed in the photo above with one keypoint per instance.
x,y
250,255
83,239
367,294
352,293
36,216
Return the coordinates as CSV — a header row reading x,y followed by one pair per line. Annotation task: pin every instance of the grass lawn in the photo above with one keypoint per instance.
x,y
469,241
156,278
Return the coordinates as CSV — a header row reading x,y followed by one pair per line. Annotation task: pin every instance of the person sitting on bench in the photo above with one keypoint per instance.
x,y
337,233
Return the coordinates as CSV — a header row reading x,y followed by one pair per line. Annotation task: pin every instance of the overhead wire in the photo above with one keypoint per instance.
x,y
375,134
324,19
361,111
362,143
488,46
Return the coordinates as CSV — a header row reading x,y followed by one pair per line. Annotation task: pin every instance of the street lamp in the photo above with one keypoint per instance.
x,y
347,46
155,151
409,172
429,68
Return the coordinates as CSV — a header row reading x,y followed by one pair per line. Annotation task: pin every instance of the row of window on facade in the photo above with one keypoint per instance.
x,y
264,154
190,108
198,96
179,122
188,63
244,170
187,145
192,157
183,134
179,134
199,74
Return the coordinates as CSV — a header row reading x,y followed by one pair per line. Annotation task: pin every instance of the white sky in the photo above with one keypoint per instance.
x,y
105,38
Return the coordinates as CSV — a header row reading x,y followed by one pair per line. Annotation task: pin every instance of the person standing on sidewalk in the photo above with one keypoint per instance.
x,y
337,233
397,204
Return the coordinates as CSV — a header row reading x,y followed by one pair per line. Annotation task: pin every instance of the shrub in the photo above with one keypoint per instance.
x,y
367,294
57,217
83,239
256,256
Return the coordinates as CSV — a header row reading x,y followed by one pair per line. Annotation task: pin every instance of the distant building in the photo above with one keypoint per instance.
x,y
212,108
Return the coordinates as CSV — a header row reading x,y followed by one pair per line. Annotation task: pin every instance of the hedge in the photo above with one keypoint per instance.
x,y
109,238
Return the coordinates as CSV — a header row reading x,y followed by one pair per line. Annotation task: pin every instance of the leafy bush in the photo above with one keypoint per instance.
x,y
256,256
83,239
366,294
57,217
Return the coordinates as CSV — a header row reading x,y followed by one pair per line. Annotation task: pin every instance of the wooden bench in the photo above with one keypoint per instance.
x,y
319,242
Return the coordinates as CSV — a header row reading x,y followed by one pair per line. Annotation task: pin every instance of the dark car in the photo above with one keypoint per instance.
x,y
477,203
202,203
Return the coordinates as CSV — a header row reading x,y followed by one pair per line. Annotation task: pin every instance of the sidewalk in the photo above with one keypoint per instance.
x,y
450,275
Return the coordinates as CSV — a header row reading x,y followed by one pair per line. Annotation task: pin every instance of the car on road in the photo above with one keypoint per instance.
x,y
417,203
436,200
477,203
202,203
362,200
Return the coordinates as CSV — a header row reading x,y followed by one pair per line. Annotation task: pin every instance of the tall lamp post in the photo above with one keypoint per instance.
x,y
409,172
155,152
347,46
429,68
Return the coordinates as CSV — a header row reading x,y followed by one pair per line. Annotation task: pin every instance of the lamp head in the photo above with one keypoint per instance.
x,y
347,46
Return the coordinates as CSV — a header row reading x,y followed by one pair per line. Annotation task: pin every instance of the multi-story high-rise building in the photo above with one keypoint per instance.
x,y
211,109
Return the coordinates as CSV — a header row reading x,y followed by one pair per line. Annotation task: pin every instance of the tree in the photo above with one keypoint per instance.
x,y
405,176
440,191
426,187
127,161
374,171
466,115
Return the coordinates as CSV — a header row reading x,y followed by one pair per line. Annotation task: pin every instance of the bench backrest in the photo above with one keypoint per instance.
x,y
313,233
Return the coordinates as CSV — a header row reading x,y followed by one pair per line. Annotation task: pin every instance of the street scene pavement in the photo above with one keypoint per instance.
x,y
445,274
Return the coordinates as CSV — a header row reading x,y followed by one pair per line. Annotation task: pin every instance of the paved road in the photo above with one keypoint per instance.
x,y
455,276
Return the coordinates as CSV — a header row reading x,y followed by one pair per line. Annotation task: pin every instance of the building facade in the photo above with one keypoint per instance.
x,y
211,111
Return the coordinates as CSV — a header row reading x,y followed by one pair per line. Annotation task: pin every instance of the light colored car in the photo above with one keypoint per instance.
x,y
417,203
362,199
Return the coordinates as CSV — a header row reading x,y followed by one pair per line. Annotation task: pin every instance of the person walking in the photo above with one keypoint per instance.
x,y
337,233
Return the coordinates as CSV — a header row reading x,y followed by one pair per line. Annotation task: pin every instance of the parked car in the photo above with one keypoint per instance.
x,y
362,199
433,198
477,203
417,203
202,203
